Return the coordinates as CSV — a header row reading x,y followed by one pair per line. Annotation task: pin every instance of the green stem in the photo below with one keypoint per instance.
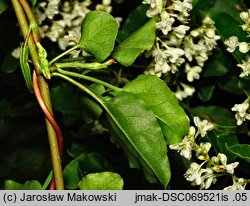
x,y
88,78
63,54
24,26
81,87
32,20
81,65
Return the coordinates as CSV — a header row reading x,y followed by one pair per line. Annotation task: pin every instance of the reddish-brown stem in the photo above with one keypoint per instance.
x,y
46,112
52,185
26,19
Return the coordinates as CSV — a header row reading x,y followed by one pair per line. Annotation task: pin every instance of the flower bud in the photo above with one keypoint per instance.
x,y
244,16
244,47
222,158
210,33
195,33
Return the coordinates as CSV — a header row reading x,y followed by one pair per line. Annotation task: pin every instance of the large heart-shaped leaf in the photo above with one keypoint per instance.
x,y
101,181
99,30
139,41
137,132
161,100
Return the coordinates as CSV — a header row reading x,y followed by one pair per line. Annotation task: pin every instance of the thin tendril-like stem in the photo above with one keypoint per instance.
x,y
26,21
50,118
88,78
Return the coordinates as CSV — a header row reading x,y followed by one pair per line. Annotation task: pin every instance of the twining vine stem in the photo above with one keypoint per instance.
x,y
24,12
46,111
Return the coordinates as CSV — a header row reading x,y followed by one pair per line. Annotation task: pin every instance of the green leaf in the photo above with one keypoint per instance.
x,y
161,100
3,6
92,110
29,185
71,110
135,20
241,150
71,173
218,64
137,131
231,84
221,141
10,63
244,83
215,68
99,30
141,40
94,162
101,181
33,2
79,107
24,57
232,7
205,93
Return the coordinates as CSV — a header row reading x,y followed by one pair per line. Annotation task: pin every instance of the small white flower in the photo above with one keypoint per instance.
x,y
187,91
244,16
245,66
165,25
200,176
183,8
237,185
229,168
98,128
193,174
231,43
244,47
210,32
180,31
202,151
208,21
192,72
241,112
155,7
222,158
16,53
207,178
52,8
203,126
174,54
185,147
105,6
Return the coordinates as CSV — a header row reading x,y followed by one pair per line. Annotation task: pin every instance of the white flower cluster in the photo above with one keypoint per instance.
x,y
204,177
242,111
61,23
66,28
175,46
232,43
206,173
188,144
